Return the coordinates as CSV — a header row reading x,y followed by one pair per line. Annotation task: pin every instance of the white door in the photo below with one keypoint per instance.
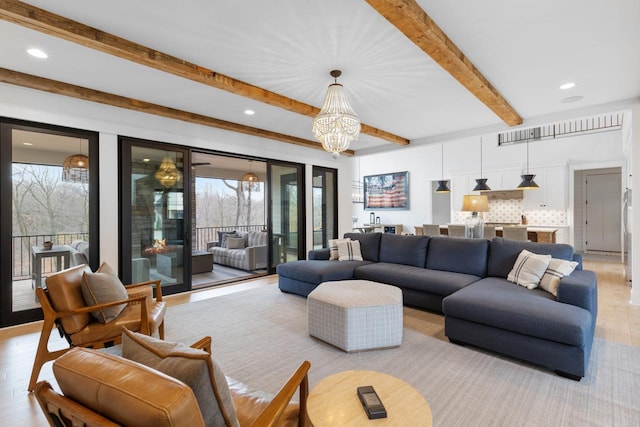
x,y
603,212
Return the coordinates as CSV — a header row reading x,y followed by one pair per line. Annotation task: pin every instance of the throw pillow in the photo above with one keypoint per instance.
x,y
529,269
333,247
102,288
222,237
349,250
557,269
106,268
235,242
192,366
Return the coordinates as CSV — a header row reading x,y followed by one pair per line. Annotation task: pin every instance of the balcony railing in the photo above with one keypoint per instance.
x,y
21,246
21,252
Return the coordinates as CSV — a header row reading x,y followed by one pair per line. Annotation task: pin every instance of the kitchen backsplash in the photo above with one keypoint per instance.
x,y
510,211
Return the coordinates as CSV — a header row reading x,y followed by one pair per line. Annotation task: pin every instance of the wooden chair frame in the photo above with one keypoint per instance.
x,y
52,318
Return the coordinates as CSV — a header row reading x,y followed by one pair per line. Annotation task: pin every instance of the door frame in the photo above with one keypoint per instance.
x,y
301,208
576,201
7,316
125,144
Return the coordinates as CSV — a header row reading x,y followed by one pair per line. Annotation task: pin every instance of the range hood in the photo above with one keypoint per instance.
x,y
503,194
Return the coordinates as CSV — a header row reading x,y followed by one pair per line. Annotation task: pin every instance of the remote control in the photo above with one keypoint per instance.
x,y
371,402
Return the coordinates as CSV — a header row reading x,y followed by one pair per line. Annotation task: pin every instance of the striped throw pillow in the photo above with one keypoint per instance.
x,y
333,247
529,269
349,250
557,269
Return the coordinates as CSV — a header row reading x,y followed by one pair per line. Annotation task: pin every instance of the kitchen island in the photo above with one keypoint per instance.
x,y
534,234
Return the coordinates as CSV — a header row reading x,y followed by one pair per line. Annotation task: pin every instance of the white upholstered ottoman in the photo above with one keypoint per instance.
x,y
356,314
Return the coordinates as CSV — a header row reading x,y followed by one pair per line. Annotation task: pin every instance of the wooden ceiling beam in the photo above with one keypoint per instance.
x,y
413,22
85,94
76,32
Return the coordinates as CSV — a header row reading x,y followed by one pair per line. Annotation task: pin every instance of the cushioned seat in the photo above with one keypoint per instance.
x,y
302,277
421,279
535,313
356,315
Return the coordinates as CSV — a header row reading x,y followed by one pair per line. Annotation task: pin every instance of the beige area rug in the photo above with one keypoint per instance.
x,y
260,337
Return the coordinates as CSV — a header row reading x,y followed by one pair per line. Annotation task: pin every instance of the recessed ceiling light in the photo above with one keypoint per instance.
x,y
567,85
249,112
146,160
37,53
572,99
28,144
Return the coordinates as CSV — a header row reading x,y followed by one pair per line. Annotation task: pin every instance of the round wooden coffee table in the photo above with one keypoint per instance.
x,y
334,401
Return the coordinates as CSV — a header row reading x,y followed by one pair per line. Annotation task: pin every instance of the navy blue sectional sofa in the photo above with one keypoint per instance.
x,y
465,279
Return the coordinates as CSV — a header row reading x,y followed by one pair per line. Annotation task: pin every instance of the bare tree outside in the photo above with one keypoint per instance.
x,y
44,204
224,203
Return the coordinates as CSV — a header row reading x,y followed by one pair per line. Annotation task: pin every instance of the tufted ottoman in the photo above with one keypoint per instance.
x,y
356,314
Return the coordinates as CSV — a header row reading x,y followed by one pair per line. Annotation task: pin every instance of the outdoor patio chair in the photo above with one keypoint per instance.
x,y
64,306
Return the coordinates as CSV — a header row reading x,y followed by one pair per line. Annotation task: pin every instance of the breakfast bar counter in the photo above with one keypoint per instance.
x,y
534,234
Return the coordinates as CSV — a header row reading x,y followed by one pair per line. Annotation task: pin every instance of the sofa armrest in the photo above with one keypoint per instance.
x,y
320,254
212,245
580,288
578,258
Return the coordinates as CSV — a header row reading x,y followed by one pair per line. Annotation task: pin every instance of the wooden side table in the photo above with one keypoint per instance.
x,y
334,401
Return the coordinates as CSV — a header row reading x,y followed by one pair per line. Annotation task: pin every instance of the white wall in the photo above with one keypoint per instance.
x,y
462,156
26,104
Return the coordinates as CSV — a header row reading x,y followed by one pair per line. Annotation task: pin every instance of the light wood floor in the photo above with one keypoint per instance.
x,y
617,321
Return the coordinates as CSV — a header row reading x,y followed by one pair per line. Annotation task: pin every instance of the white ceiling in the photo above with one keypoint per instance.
x,y
525,48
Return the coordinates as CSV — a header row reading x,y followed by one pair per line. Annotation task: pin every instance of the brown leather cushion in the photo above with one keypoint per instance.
x,y
124,391
250,403
129,318
65,294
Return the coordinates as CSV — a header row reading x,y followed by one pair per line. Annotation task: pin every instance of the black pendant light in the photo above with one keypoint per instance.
x,y
527,179
481,183
443,184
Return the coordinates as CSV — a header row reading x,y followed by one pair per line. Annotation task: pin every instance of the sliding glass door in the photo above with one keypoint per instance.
x,y
49,174
156,232
325,206
287,219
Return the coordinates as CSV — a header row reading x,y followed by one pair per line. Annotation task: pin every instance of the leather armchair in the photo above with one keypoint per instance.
x,y
105,389
63,306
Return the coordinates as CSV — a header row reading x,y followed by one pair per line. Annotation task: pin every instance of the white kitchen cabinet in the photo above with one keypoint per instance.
x,y
552,193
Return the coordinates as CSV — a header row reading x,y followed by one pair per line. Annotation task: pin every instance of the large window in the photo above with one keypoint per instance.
x,y
50,175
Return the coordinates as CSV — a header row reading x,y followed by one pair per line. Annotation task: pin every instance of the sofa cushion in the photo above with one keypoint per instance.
x,y
407,250
369,244
66,294
557,269
529,269
445,254
317,272
222,237
103,288
235,242
119,389
257,238
498,303
349,250
504,252
416,278
194,367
